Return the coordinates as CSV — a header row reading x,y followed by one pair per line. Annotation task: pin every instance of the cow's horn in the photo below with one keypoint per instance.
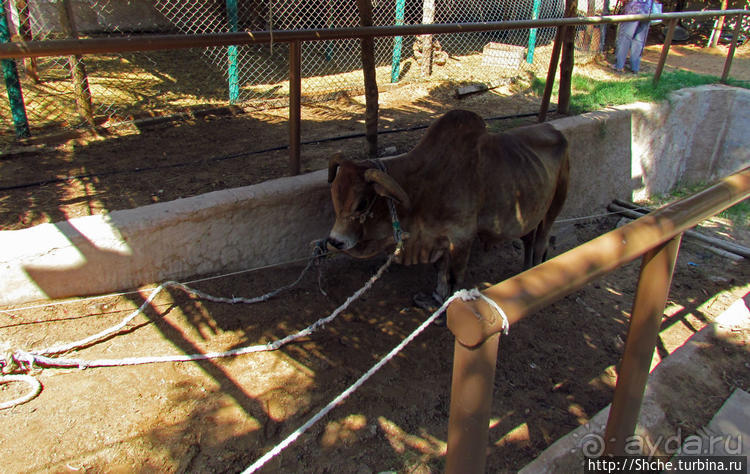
x,y
333,165
387,186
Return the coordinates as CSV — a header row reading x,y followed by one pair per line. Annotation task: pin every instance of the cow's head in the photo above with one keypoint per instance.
x,y
363,223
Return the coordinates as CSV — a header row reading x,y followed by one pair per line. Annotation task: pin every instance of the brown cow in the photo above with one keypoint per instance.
x,y
458,183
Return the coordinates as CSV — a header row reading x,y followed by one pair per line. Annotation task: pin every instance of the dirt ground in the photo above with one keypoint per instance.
x,y
555,370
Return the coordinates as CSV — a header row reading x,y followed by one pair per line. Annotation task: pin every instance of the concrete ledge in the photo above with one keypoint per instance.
x,y
633,151
222,231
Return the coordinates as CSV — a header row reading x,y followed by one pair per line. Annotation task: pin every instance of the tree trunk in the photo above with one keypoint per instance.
x,y
371,84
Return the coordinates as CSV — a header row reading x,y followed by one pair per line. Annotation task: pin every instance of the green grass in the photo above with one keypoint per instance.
x,y
588,94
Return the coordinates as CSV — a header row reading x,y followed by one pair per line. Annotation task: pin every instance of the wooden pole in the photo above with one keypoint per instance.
x,y
732,48
665,50
295,106
77,67
428,17
567,63
551,73
371,84
24,30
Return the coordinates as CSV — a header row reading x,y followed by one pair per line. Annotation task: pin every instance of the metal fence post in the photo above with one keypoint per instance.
x,y
397,42
12,84
295,104
471,400
234,22
532,32
650,299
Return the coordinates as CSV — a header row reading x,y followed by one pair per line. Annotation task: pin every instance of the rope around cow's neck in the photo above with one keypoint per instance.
x,y
398,233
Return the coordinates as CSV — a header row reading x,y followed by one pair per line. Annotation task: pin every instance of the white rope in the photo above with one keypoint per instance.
x,y
475,293
28,359
34,384
465,295
134,292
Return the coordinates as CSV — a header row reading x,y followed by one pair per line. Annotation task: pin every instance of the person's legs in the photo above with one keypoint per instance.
x,y
625,32
636,45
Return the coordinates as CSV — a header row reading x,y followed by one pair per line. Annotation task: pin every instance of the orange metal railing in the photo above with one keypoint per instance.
x,y
655,237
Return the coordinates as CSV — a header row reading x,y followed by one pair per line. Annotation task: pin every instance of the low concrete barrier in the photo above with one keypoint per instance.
x,y
634,151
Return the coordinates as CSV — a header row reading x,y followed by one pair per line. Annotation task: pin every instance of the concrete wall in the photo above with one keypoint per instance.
x,y
627,152
103,17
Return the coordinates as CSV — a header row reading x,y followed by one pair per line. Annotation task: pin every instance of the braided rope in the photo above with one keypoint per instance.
x,y
465,295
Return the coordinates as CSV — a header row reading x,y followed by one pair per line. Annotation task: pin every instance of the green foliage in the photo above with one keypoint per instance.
x,y
589,94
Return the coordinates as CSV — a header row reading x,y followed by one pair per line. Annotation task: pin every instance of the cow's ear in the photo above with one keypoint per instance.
x,y
333,164
386,186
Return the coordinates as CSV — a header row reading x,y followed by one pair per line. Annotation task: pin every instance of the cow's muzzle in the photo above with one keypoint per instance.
x,y
335,244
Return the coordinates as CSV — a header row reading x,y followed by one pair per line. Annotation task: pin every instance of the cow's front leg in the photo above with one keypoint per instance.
x,y
451,268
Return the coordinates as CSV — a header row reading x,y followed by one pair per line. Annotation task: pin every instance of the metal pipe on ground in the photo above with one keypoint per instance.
x,y
634,211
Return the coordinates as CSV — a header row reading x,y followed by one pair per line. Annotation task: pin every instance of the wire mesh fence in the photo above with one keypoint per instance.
x,y
118,87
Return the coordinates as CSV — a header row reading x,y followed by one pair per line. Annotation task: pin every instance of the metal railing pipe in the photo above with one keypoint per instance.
x,y
656,236
471,401
546,283
648,308
23,49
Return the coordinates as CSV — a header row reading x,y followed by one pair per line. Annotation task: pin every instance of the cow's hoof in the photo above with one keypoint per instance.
x,y
430,304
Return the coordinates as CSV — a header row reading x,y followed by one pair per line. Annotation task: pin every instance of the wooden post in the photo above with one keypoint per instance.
x,y
732,48
428,17
665,49
77,67
566,65
24,30
371,83
295,106
551,73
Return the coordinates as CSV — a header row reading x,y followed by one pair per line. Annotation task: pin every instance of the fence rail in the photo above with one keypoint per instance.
x,y
23,49
50,85
77,48
655,237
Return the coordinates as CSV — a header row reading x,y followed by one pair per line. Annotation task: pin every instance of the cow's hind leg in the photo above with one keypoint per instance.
x,y
528,249
536,241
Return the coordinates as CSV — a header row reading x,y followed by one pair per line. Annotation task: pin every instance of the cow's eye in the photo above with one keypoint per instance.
x,y
361,207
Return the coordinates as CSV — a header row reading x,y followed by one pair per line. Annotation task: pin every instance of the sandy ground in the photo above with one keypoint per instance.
x,y
555,370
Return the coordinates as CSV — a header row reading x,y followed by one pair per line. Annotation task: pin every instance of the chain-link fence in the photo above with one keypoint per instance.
x,y
57,91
